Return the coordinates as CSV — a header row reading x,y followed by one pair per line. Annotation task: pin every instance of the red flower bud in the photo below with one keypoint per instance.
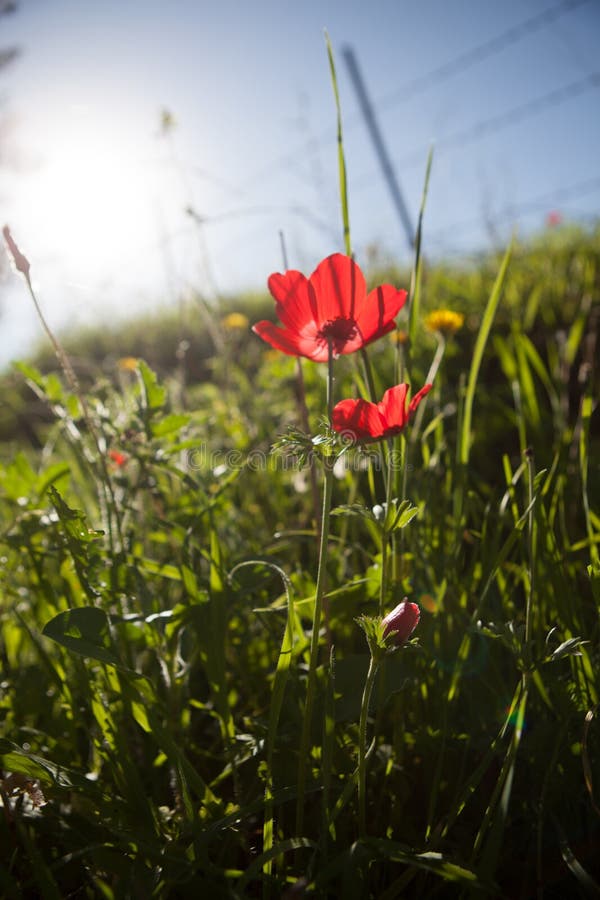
x,y
400,623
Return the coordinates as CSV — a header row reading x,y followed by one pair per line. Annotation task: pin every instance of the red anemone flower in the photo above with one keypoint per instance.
x,y
364,421
331,309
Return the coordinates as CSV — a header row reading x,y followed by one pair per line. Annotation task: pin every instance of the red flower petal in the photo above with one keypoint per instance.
x,y
292,343
376,316
418,397
371,421
393,406
358,420
296,301
340,288
279,338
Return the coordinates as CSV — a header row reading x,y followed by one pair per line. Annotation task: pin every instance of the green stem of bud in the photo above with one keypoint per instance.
x,y
362,741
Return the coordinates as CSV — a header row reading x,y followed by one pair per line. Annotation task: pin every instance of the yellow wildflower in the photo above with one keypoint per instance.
x,y
128,364
235,320
445,321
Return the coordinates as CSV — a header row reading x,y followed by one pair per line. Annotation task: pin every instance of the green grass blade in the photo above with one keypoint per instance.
x,y
501,557
341,156
328,741
587,406
482,337
216,647
590,886
496,814
414,294
279,684
528,392
540,369
253,870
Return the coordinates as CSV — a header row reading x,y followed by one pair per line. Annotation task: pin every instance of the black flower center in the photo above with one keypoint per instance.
x,y
338,332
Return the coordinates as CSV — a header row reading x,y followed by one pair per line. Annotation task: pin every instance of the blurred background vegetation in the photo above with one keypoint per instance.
x,y
552,295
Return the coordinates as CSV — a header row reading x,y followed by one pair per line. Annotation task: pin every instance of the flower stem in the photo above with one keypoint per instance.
x,y
362,746
385,538
368,374
303,409
330,382
108,502
314,648
317,616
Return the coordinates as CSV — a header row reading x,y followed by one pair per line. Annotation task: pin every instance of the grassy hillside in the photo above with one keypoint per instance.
x,y
196,692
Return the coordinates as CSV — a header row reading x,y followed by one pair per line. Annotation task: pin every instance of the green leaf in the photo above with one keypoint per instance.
x,y
18,479
78,538
152,567
387,518
153,393
398,515
30,372
15,759
47,386
50,476
355,509
86,631
169,424
191,585
567,648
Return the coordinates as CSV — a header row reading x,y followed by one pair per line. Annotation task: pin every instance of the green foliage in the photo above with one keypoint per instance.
x,y
158,583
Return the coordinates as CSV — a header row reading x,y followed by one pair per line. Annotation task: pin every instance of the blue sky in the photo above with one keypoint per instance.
x,y
97,194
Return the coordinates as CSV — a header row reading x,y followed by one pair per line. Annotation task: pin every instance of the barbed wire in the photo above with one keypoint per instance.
x,y
477,54
465,60
546,202
483,127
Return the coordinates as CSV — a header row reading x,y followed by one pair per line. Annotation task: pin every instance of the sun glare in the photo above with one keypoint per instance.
x,y
92,201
